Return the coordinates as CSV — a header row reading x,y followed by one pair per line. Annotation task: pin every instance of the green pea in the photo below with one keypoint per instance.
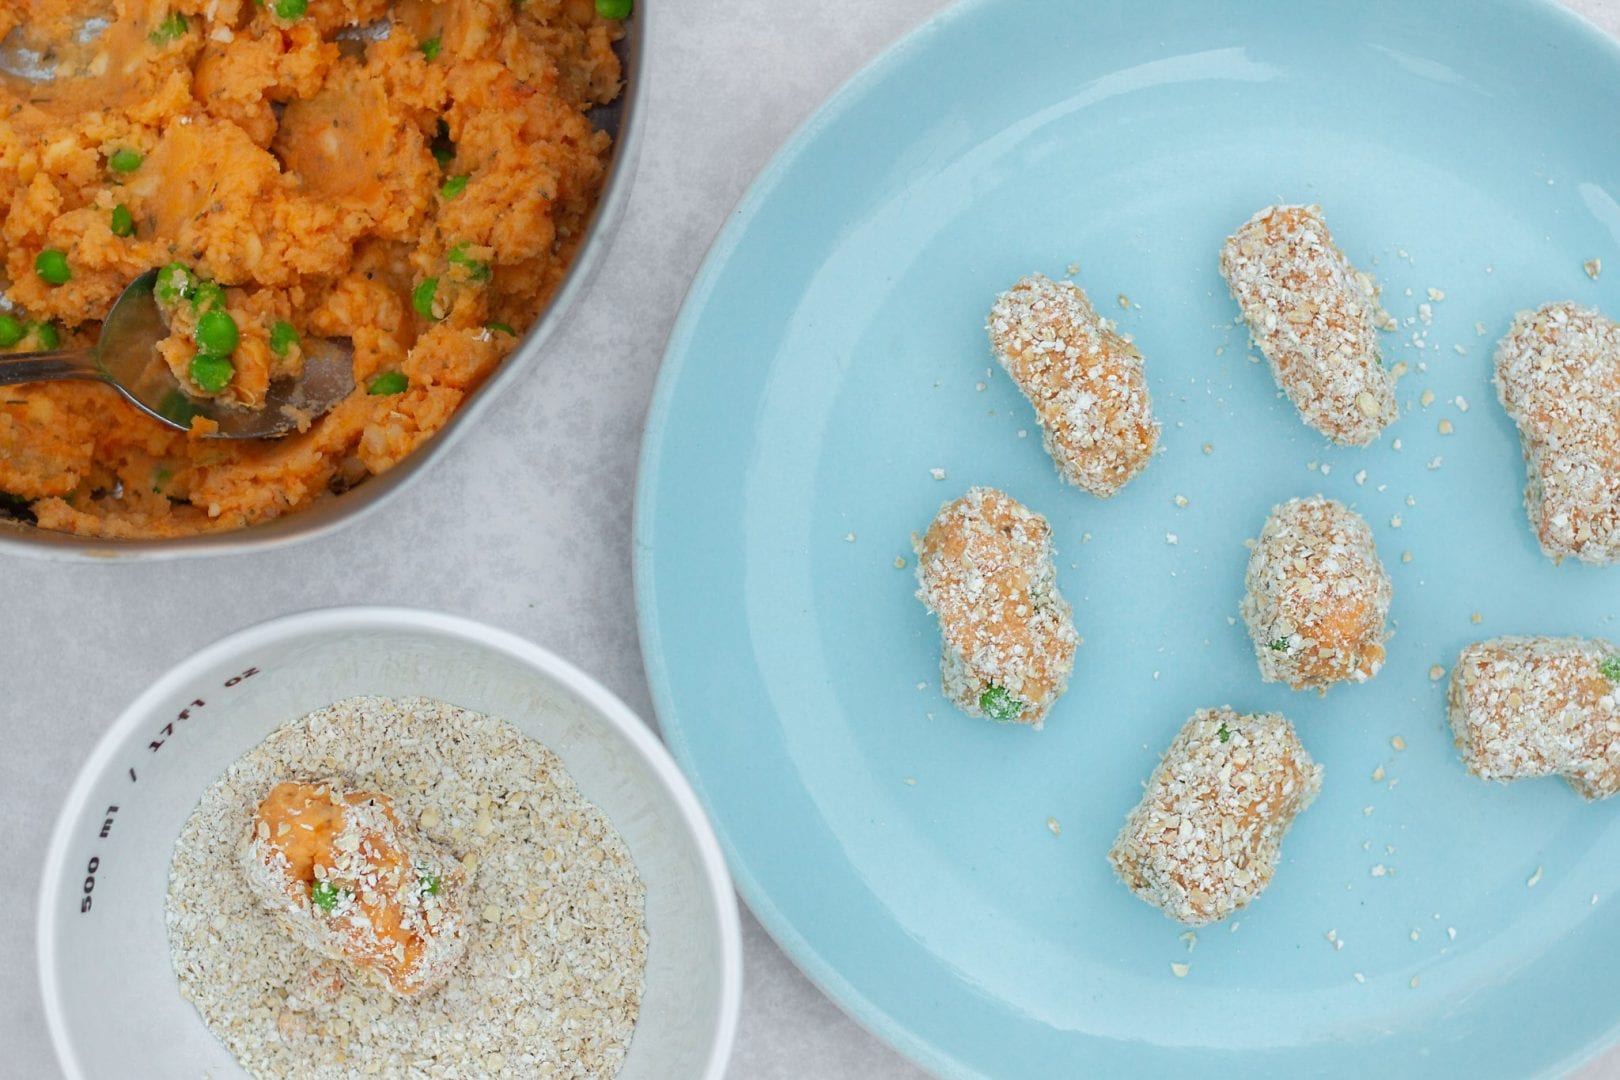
x,y
502,327
206,296
454,186
429,881
159,478
291,9
475,269
45,334
443,150
998,704
388,383
52,267
174,283
170,29
422,298
282,337
614,9
125,160
11,331
1610,668
430,48
217,333
324,895
178,408
211,372
123,222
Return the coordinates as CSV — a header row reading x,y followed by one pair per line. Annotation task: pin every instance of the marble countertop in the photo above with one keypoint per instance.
x,y
535,505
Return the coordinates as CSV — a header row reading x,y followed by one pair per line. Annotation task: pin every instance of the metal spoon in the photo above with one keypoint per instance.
x,y
126,358
21,60
18,57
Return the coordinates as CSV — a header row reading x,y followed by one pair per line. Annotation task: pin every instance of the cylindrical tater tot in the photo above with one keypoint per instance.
x,y
1085,381
350,881
1317,596
1316,318
1207,835
1558,377
1007,636
1539,706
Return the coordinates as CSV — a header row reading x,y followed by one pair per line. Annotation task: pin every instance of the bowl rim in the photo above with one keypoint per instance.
x,y
601,701
321,520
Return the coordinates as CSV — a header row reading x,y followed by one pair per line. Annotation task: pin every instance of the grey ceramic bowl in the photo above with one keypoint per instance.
x,y
623,119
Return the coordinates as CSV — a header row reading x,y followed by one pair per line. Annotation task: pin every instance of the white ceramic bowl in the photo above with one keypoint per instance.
x,y
111,997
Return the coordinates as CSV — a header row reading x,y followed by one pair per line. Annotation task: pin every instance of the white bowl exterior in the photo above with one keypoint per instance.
x,y
111,997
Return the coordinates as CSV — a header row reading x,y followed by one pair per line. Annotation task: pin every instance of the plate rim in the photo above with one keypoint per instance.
x,y
822,973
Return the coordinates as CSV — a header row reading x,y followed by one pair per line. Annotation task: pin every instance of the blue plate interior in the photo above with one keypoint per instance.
x,y
832,354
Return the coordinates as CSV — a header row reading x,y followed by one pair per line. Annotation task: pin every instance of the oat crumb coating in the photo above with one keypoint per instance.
x,y
1558,377
350,881
1539,706
1207,835
1316,319
1317,596
985,568
1085,381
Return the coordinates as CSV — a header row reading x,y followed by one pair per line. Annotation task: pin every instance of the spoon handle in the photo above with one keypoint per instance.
x,y
41,366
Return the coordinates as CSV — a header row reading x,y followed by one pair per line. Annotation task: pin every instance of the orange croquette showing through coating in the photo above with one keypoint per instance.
x,y
1317,596
1007,636
1558,377
1539,706
1085,381
421,194
1206,837
350,881
1316,319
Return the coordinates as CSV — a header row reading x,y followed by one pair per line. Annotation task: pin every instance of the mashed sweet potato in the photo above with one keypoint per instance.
x,y
420,194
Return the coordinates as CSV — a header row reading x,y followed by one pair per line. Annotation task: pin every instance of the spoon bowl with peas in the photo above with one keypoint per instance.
x,y
126,358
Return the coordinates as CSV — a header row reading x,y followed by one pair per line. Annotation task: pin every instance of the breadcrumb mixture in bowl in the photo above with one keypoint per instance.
x,y
415,177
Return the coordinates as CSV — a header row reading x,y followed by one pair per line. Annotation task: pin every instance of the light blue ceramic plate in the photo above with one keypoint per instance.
x,y
832,353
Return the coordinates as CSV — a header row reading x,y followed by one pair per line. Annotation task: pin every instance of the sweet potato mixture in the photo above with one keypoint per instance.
x,y
351,881
413,176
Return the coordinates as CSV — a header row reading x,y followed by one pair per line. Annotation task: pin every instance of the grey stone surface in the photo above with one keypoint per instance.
x,y
526,525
